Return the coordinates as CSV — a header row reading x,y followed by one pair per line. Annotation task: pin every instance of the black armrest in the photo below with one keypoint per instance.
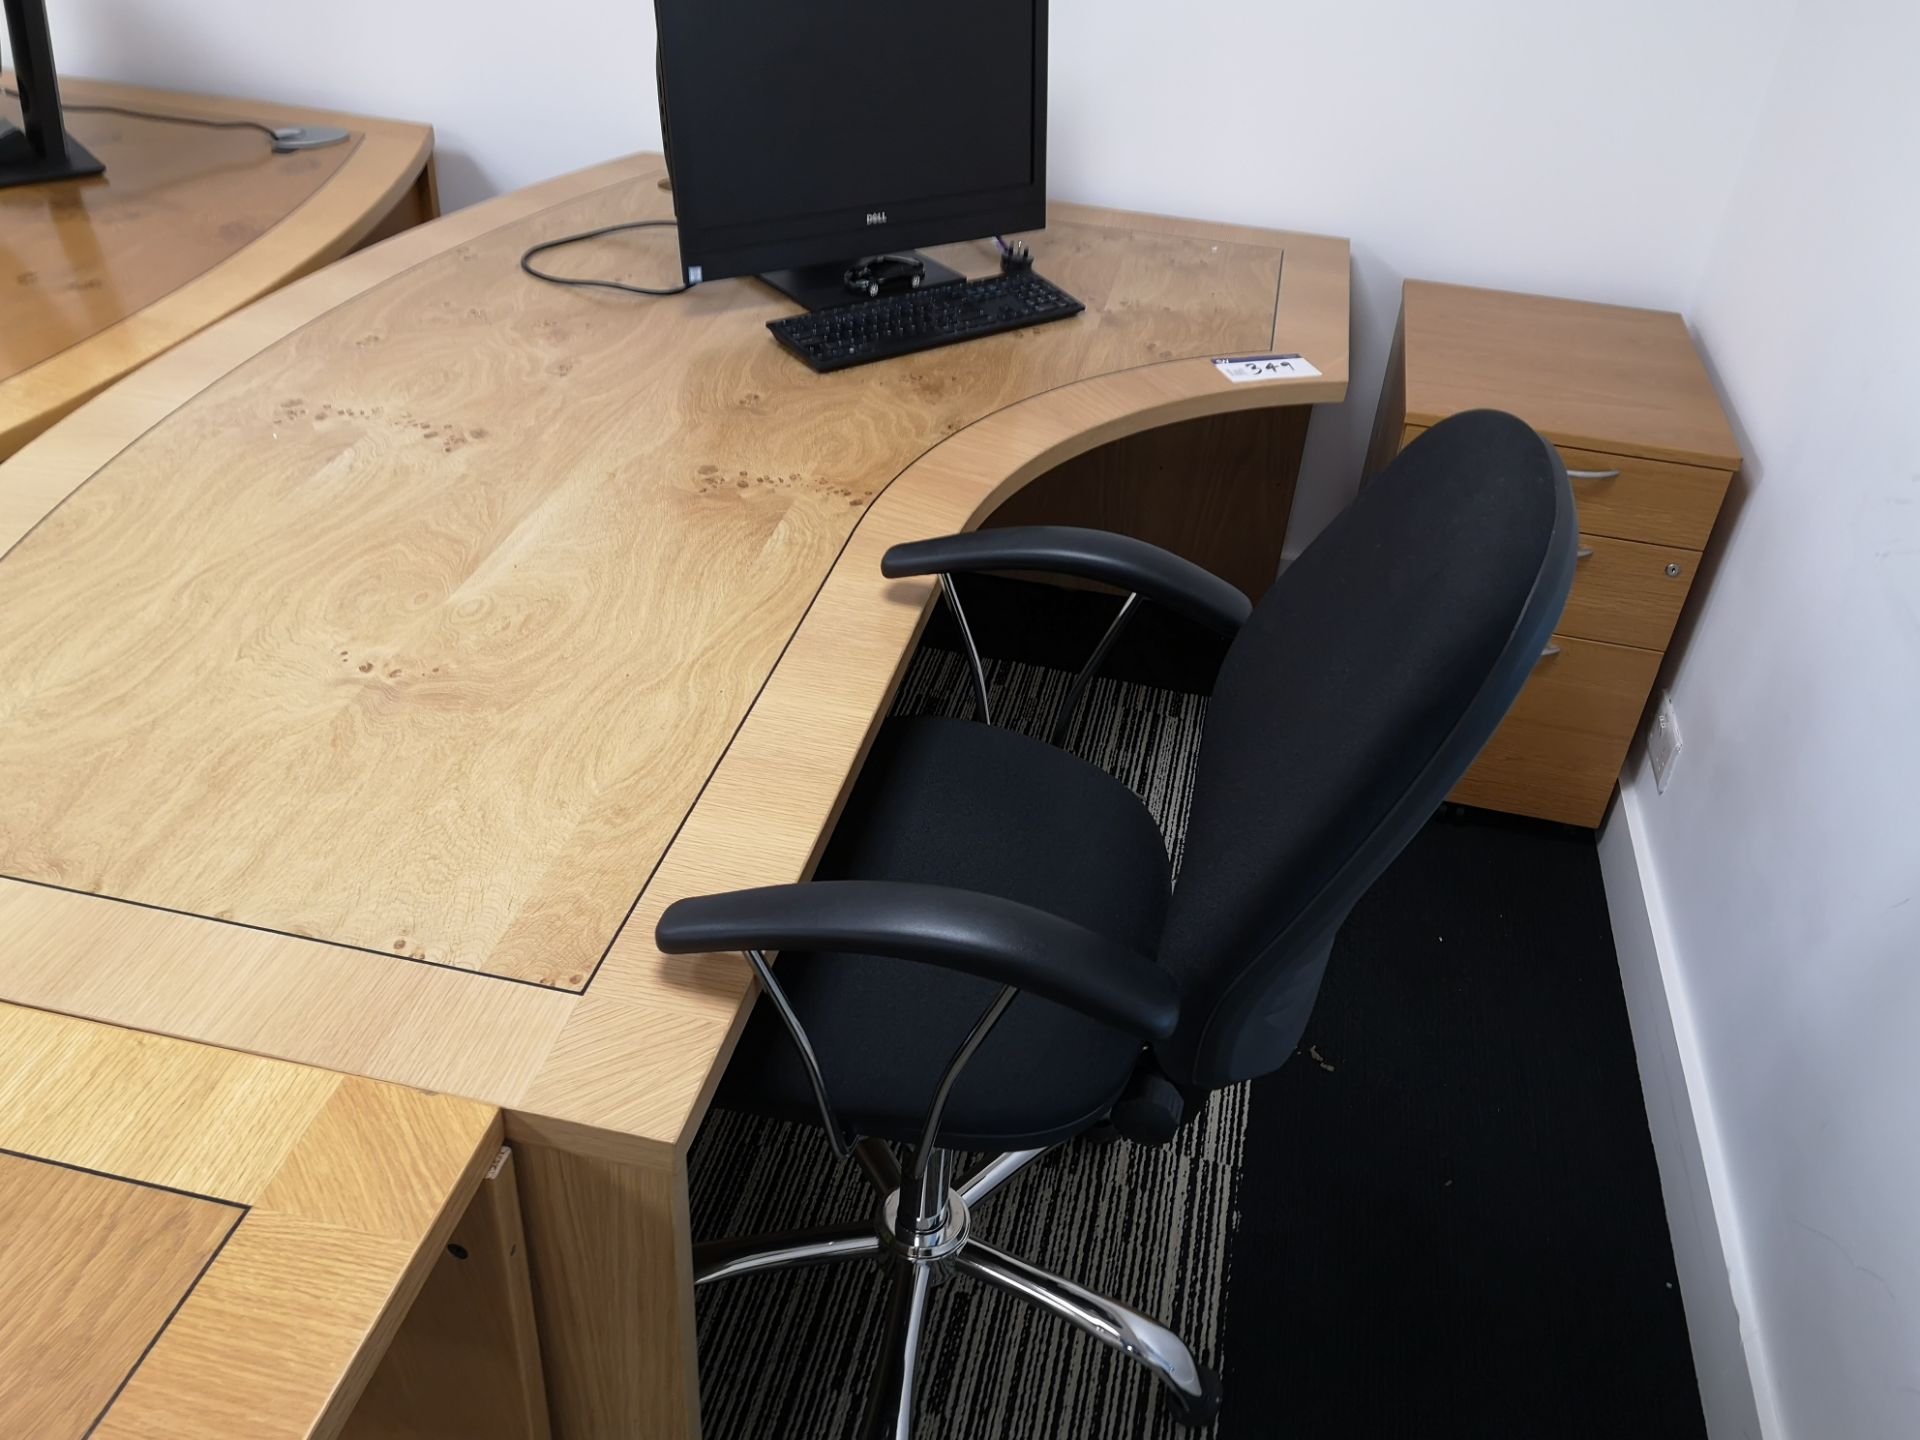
x,y
976,934
1121,560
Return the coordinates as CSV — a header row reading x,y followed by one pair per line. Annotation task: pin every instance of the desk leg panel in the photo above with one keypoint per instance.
x,y
465,1364
611,1253
418,204
1217,490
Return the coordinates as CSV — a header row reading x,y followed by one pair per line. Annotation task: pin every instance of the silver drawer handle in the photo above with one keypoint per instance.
x,y
1585,552
1549,652
1593,474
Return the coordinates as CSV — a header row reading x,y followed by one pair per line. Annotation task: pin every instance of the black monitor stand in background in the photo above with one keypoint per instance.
x,y
40,149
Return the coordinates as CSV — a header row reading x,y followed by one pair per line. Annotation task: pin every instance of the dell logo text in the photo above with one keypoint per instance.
x,y
876,217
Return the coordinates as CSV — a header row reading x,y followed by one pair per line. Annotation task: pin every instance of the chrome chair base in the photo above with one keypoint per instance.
x,y
921,1225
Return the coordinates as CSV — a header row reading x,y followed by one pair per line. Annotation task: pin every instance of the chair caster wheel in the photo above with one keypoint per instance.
x,y
1196,1411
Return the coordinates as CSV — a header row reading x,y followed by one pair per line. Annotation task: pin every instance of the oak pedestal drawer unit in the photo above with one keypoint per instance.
x,y
1624,397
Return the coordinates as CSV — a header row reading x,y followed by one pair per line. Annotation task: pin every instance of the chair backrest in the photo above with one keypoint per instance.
x,y
1357,694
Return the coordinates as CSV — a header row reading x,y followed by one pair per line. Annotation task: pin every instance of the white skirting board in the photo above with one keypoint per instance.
x,y
1731,1366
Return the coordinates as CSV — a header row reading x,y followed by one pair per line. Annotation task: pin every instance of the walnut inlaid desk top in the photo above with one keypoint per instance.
x,y
206,1245
376,665
188,224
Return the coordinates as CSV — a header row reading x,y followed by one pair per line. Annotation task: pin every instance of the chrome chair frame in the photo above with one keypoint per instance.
x,y
922,1224
1076,691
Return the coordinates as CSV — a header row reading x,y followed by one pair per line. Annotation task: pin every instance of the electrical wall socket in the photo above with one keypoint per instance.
x,y
1663,740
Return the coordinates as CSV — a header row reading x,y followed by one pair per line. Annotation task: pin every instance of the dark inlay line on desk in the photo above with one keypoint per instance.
x,y
321,939
242,1211
178,1305
125,1179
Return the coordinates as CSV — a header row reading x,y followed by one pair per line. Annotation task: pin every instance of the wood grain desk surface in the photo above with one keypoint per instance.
x,y
187,225
378,664
208,1245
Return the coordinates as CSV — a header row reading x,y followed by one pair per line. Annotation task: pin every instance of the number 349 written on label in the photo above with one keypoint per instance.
x,y
1242,368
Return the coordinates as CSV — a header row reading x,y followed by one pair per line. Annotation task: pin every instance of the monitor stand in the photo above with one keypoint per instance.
x,y
39,148
24,163
821,287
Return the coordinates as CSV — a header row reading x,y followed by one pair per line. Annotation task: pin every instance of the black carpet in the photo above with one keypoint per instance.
x,y
1440,1219
1452,1223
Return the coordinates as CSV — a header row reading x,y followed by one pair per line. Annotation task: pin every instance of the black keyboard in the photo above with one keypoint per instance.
x,y
921,319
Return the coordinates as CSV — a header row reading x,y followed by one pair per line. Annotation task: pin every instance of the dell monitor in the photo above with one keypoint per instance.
x,y
804,136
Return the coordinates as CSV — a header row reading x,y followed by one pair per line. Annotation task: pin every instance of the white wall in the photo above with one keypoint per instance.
x,y
1731,1372
516,92
1786,849
1577,150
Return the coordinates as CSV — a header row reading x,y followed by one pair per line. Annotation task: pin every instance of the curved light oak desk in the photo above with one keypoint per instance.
x,y
189,223
377,665
205,1245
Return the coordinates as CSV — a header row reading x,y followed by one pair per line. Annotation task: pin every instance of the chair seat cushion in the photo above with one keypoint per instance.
x,y
952,802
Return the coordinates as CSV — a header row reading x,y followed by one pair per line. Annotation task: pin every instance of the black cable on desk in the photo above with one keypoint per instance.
x,y
131,114
526,260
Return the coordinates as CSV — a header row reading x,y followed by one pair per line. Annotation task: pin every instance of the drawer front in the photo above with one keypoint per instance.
x,y
1627,498
1559,751
1626,592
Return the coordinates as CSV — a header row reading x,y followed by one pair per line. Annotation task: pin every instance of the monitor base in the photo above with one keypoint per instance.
x,y
821,287
21,164
289,138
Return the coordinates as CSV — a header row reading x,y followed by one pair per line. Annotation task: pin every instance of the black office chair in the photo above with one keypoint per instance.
x,y
993,956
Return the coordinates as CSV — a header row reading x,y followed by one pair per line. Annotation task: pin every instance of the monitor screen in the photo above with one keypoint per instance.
x,y
817,132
